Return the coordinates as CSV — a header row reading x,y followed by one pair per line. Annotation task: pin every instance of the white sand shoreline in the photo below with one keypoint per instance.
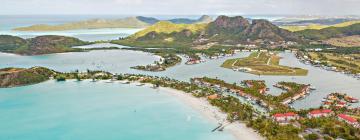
x,y
213,114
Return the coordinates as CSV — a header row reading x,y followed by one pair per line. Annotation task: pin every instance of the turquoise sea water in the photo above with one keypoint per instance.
x,y
98,111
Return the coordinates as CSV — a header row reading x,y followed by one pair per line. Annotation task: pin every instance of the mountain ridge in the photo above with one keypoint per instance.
x,y
223,30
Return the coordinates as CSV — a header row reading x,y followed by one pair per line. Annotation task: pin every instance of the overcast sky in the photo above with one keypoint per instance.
x,y
181,7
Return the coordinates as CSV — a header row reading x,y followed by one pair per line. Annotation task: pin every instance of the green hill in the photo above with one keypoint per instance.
x,y
130,22
11,77
11,43
167,27
38,45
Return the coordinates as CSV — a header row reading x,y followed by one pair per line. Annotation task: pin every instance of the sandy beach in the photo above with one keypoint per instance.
x,y
212,113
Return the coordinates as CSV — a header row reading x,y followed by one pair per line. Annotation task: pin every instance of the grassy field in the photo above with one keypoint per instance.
x,y
341,61
262,63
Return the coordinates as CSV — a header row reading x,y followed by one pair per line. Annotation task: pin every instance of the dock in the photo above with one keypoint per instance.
x,y
216,128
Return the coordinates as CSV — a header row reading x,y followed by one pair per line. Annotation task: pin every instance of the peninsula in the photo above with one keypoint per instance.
x,y
262,63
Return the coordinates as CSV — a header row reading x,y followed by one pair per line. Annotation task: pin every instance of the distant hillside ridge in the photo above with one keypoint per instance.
x,y
129,22
330,32
318,26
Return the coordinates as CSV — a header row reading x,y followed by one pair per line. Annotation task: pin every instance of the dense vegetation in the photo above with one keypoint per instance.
x,y
344,62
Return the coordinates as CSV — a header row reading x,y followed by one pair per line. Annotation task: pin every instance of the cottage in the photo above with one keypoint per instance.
x,y
320,113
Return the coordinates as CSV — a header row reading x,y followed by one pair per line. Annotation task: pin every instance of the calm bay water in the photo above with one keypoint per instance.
x,y
93,111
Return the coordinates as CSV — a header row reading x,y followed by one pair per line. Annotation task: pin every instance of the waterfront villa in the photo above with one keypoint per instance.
x,y
350,120
285,117
320,113
192,61
303,92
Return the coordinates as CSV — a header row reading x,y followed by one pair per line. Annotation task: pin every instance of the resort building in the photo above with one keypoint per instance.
x,y
285,117
350,120
320,113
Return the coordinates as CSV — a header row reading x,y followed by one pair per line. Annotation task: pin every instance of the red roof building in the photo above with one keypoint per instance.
x,y
285,117
350,120
320,113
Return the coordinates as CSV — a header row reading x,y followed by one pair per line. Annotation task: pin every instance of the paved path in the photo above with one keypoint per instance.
x,y
268,62
234,63
258,55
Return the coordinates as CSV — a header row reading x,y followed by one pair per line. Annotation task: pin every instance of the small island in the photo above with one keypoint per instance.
x,y
262,63
167,60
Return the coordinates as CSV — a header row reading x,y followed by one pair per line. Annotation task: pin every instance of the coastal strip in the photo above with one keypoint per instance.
x,y
239,130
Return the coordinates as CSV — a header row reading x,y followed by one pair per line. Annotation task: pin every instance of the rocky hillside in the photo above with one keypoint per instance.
x,y
11,77
239,29
224,30
38,45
